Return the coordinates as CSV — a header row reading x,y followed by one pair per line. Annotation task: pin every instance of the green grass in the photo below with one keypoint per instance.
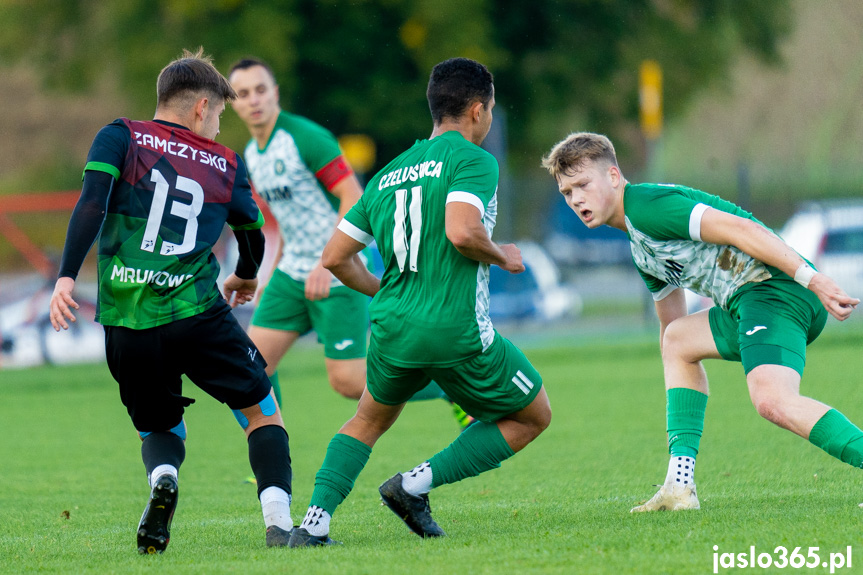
x,y
560,506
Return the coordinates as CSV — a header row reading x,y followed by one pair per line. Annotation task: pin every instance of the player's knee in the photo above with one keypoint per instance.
x,y
546,420
769,407
673,342
265,412
348,384
541,419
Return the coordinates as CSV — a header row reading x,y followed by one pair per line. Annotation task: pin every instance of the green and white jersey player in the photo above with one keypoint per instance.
x,y
296,166
431,211
764,316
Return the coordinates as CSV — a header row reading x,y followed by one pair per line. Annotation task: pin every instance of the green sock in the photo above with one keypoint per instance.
x,y
685,418
431,391
277,390
839,437
345,458
478,448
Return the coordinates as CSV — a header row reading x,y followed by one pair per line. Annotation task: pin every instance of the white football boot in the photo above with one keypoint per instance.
x,y
671,497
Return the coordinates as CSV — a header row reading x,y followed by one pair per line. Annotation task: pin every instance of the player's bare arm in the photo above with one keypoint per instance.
x,y
341,257
465,230
719,227
348,191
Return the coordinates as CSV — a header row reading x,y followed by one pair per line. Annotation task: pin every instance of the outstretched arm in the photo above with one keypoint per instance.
x,y
465,230
722,228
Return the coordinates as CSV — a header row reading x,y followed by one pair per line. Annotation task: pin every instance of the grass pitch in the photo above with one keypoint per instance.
x,y
72,486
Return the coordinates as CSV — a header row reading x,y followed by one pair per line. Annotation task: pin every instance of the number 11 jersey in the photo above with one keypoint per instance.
x,y
173,193
432,308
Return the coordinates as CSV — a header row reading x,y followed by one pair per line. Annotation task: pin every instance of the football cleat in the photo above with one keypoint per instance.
x,y
302,538
155,526
463,418
414,510
671,497
277,537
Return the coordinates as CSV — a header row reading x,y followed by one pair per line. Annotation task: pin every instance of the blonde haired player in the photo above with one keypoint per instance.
x,y
770,303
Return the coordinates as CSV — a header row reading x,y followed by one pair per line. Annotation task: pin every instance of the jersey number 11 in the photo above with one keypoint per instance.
x,y
400,240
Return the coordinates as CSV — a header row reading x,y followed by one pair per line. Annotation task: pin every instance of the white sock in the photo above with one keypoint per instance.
x,y
276,506
681,470
316,521
160,471
418,481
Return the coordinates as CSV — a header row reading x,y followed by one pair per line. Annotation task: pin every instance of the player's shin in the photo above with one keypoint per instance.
x,y
685,410
685,418
345,459
162,452
685,424
839,437
479,448
270,458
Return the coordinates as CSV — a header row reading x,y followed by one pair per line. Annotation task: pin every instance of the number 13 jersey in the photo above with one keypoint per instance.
x,y
432,308
173,193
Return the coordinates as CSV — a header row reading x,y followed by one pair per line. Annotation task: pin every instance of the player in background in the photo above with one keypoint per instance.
x,y
297,167
431,211
161,192
770,303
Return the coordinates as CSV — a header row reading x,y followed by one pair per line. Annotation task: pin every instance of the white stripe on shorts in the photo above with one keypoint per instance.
x,y
522,382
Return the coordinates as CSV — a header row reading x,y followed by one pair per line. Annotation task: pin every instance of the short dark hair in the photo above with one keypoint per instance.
x,y
246,63
455,84
189,76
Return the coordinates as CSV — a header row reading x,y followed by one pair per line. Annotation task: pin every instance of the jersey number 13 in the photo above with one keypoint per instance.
x,y
188,212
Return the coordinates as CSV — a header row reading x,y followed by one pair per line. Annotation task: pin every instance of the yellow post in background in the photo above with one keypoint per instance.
x,y
650,99
650,114
359,151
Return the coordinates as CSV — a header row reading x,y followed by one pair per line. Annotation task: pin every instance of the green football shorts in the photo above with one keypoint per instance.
x,y
491,385
770,323
341,320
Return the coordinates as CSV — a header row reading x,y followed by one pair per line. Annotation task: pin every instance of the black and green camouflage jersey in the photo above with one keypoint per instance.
x,y
173,193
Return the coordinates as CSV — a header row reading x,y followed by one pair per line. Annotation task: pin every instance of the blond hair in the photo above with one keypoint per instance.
x,y
570,154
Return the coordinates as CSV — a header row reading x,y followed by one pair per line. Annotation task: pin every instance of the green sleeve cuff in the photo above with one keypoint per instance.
x,y
256,225
102,167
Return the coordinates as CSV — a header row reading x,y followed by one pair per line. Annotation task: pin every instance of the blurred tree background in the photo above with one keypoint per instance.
x,y
361,66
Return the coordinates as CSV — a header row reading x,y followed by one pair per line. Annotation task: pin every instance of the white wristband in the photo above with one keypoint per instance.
x,y
804,274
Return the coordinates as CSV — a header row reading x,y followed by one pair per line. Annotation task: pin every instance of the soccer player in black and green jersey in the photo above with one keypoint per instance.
x,y
158,194
431,211
770,303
